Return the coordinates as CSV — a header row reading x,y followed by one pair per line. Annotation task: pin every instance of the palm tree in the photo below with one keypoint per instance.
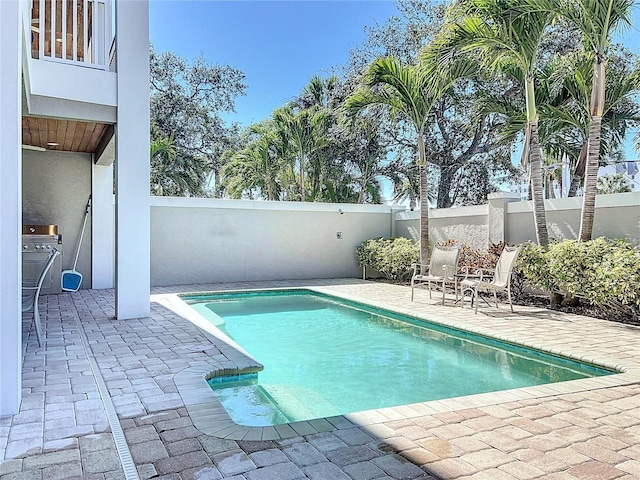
x,y
318,92
567,113
596,20
410,92
506,35
172,174
162,153
255,167
303,131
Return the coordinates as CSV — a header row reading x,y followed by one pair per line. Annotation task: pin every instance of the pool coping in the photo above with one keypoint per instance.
x,y
210,417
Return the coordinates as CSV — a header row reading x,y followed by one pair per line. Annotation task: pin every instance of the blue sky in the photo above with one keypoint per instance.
x,y
279,45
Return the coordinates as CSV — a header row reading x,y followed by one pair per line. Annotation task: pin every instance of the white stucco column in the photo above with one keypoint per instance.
x,y
10,208
497,218
103,238
132,160
395,209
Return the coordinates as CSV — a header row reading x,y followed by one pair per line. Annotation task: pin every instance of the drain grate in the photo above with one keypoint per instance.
x,y
126,460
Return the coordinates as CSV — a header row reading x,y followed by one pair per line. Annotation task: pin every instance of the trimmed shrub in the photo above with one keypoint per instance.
x,y
393,258
533,263
605,272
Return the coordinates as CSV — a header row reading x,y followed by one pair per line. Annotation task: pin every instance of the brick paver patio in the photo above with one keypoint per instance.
x,y
586,429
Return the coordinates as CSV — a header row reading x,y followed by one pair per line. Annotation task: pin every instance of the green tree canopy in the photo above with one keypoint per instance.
x,y
186,101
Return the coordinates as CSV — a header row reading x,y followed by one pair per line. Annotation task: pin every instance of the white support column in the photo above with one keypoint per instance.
x,y
103,228
497,218
10,208
132,160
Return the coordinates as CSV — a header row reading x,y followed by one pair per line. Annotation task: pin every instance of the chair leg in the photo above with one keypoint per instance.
x,y
429,290
412,289
509,296
36,320
495,297
476,297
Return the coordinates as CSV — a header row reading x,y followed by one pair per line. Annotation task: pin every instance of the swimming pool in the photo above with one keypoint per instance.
x,y
323,357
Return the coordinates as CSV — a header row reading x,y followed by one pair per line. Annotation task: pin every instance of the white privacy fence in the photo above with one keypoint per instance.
x,y
196,240
72,31
207,240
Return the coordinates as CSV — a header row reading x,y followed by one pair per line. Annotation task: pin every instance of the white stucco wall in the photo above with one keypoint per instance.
x,y
207,240
617,216
195,240
10,184
55,189
467,223
132,225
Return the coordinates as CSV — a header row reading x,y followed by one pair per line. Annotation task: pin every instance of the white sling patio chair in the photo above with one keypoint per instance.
x,y
441,270
30,294
500,282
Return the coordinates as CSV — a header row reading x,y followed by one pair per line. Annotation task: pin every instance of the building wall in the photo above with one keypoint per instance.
x,y
196,240
10,184
617,216
55,189
469,223
207,240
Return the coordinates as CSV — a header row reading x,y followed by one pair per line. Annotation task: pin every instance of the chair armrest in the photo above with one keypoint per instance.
x,y
488,272
463,270
418,270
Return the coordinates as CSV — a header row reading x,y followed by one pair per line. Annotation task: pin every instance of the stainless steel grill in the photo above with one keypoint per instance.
x,y
36,248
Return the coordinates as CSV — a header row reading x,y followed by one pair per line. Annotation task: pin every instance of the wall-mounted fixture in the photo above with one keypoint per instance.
x,y
340,211
339,235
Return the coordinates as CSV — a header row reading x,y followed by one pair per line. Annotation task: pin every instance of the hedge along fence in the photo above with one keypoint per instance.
x,y
605,272
394,258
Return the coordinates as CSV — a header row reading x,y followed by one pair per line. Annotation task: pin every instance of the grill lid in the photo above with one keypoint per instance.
x,y
40,229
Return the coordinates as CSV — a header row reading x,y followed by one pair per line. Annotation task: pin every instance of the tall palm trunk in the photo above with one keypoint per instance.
x,y
593,151
539,216
535,163
424,202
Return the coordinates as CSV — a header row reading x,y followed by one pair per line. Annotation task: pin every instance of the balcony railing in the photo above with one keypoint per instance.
x,y
76,32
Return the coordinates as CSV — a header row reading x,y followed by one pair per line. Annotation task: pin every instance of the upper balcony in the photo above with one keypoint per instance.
x,y
69,68
75,32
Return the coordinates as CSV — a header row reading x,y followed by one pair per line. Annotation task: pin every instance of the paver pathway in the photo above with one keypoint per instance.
x,y
62,429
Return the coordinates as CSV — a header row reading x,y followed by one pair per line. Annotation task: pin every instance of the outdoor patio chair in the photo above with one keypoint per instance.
x,y
441,270
492,280
30,294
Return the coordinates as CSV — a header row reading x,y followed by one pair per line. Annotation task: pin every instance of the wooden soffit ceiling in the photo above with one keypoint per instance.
x,y
63,135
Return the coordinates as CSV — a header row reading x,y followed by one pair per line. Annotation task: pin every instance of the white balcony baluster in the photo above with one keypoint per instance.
x,y
82,42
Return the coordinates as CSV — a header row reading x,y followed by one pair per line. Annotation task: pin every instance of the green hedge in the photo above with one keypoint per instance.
x,y
393,258
605,272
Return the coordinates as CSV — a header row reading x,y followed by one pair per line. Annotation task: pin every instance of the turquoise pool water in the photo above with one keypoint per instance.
x,y
323,357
